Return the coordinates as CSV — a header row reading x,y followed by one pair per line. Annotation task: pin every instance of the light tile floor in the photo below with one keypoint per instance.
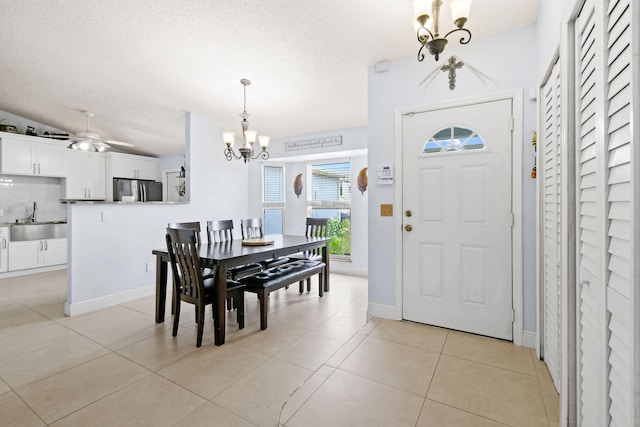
x,y
318,364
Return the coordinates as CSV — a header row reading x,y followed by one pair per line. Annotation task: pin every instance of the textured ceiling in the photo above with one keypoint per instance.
x,y
139,65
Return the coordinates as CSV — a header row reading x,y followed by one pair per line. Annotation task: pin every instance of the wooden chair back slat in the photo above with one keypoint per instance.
x,y
191,225
220,231
251,228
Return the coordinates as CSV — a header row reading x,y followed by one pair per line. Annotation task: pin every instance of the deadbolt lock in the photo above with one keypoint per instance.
x,y
408,213
408,227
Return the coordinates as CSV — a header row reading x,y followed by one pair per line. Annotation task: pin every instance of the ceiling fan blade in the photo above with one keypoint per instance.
x,y
112,142
85,136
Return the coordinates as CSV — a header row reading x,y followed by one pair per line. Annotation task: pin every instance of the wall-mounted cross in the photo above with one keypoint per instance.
x,y
451,68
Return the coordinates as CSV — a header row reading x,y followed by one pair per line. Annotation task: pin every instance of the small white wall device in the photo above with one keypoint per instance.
x,y
384,175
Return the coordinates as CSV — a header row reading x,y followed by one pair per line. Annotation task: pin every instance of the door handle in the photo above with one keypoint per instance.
x,y
408,227
408,213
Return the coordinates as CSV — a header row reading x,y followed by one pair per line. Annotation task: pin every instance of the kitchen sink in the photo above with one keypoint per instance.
x,y
37,231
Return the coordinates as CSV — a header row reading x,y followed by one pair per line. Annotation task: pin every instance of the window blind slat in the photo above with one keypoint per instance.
x,y
273,184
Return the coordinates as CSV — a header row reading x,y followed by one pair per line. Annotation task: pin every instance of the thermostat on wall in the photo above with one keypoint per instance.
x,y
384,175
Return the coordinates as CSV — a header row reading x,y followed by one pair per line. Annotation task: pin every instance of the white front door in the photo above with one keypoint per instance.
x,y
457,218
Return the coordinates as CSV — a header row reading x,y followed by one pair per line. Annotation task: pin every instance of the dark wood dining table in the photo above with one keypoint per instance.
x,y
230,254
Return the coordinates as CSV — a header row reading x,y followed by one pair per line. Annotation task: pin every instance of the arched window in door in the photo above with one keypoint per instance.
x,y
453,138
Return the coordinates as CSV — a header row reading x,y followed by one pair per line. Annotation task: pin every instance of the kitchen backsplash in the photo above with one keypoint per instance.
x,y
17,194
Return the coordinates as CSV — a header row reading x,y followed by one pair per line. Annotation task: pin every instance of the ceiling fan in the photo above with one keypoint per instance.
x,y
91,141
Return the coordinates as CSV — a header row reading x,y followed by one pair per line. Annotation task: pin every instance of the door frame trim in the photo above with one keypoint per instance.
x,y
516,96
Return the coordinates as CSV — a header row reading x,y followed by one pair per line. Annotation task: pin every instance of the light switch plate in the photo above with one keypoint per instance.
x,y
386,210
106,216
1,212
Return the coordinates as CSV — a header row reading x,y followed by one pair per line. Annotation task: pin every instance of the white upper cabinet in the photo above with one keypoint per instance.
x,y
147,168
133,167
24,155
85,175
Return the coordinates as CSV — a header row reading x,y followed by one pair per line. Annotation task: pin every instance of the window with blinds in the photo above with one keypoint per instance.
x,y
273,184
273,199
331,198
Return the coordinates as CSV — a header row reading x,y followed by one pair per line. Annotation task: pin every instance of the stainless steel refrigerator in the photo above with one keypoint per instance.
x,y
136,190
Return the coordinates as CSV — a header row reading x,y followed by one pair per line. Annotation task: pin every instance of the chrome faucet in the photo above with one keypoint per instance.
x,y
33,217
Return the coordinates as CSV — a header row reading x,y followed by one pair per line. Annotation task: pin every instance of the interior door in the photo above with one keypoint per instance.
x,y
457,268
590,233
605,196
552,259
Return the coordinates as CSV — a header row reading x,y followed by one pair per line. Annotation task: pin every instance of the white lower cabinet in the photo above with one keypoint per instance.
x,y
4,248
37,253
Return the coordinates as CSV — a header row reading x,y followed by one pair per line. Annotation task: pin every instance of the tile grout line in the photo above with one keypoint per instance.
x,y
445,404
431,379
334,369
544,402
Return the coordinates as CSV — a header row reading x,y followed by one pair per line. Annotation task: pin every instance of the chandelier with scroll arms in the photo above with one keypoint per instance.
x,y
428,24
245,151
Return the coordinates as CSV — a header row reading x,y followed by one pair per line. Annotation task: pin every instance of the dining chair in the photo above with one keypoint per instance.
x,y
252,229
315,227
189,284
190,225
221,231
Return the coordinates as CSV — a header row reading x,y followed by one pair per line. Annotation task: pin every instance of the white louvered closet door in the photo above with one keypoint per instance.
x,y
590,220
551,209
605,194
619,210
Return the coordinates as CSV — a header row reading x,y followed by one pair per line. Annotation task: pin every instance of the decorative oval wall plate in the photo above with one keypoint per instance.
x,y
363,181
297,185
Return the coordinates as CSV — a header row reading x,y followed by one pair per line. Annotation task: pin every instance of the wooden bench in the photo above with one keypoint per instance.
x,y
274,278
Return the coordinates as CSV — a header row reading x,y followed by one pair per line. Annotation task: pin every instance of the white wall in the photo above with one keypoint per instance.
x,y
551,14
354,144
107,260
509,60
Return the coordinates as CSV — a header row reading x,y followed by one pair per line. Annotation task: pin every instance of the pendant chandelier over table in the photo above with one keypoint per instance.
x,y
245,151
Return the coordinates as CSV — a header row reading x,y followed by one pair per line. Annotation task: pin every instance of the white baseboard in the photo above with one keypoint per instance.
x,y
529,339
382,311
32,271
346,268
76,308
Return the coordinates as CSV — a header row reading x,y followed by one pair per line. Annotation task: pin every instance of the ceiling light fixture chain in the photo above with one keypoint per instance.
x,y
245,151
428,15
